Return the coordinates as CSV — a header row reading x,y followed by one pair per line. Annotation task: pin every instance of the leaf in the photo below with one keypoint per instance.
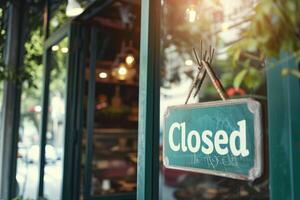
x,y
253,78
284,71
239,78
295,73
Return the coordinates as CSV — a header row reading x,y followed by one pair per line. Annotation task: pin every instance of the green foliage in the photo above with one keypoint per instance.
x,y
32,86
239,78
286,71
2,39
31,76
33,54
58,18
33,63
274,27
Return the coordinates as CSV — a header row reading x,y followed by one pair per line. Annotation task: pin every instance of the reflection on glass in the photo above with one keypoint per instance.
x,y
1,100
115,138
222,25
2,41
30,119
114,157
56,123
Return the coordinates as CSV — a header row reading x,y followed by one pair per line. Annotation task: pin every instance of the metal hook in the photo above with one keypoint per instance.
x,y
195,80
210,58
205,63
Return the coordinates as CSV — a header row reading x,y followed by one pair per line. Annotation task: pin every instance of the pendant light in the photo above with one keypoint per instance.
x,y
73,8
124,65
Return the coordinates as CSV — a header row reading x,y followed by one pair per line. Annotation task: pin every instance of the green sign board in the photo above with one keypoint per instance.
x,y
221,138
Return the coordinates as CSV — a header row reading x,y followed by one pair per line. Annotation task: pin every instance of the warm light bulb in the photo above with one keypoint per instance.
x,y
122,71
191,14
129,59
54,47
73,8
103,75
64,50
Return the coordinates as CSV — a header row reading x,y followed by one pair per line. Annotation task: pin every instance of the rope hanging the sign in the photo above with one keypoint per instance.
x,y
205,65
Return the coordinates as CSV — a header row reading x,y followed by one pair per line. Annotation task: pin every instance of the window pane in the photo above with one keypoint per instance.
x,y
2,42
116,122
56,121
113,153
30,117
222,25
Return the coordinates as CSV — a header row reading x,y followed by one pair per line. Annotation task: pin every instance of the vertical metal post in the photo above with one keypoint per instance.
x,y
44,120
45,100
11,102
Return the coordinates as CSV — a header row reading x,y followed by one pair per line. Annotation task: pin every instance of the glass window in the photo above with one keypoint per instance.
x,y
30,117
2,42
114,163
112,153
56,121
223,25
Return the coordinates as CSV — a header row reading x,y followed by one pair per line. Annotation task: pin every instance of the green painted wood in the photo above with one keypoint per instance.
x,y
93,9
90,113
148,138
58,35
70,117
284,128
125,196
220,138
79,113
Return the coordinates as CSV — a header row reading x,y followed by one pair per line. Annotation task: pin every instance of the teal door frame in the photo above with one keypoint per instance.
x,y
284,128
148,137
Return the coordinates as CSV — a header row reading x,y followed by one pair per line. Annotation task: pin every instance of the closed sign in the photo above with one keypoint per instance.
x,y
221,138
